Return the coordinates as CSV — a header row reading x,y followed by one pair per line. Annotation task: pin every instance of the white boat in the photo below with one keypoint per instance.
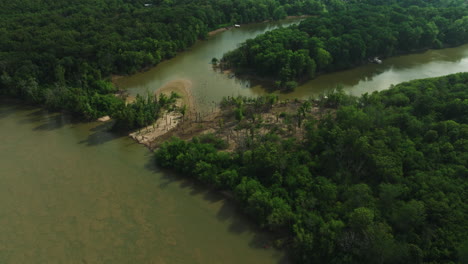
x,y
376,60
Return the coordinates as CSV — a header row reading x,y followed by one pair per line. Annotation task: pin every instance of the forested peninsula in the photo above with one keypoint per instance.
x,y
348,36
379,178
62,54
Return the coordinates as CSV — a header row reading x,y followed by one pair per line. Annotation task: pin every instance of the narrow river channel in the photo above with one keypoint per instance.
x,y
72,192
210,86
194,65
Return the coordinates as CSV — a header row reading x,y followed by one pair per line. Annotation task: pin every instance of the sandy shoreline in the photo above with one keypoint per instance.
x,y
168,120
303,16
220,30
217,31
183,88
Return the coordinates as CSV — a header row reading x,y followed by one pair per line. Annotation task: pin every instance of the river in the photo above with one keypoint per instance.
x,y
210,86
394,70
72,192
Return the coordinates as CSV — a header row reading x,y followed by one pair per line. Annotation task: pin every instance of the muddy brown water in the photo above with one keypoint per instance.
x,y
72,192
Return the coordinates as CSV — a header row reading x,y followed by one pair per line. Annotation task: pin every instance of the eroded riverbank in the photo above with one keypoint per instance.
x,y
170,119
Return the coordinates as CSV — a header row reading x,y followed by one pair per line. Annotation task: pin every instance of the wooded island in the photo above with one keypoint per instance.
x,y
349,36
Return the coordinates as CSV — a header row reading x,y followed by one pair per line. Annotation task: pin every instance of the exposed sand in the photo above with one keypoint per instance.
x,y
303,16
169,120
217,31
183,88
104,118
223,124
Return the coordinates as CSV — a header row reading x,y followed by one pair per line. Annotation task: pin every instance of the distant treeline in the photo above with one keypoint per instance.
x,y
62,53
381,179
349,36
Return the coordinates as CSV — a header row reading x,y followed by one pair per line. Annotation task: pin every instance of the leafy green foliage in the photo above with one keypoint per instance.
x,y
380,180
61,54
142,112
347,36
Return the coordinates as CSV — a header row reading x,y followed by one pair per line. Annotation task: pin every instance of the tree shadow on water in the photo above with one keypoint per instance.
x,y
101,134
229,211
41,119
9,107
167,177
49,121
240,223
6,111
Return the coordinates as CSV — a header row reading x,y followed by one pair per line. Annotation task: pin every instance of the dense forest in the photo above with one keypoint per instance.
x,y
349,36
377,179
61,53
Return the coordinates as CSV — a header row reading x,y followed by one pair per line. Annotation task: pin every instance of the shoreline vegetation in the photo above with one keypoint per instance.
x,y
169,119
369,177
221,121
345,39
250,74
226,28
64,56
115,77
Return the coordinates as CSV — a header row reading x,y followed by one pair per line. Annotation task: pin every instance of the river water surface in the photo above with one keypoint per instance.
x,y
210,86
74,193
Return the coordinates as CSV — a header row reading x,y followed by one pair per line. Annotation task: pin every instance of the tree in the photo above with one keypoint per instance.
x,y
361,218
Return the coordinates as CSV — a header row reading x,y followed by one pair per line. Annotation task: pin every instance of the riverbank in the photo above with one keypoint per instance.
x,y
222,29
185,106
217,31
295,17
224,124
415,63
181,87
